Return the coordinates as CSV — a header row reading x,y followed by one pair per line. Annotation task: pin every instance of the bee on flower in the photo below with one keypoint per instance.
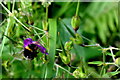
x,y
32,48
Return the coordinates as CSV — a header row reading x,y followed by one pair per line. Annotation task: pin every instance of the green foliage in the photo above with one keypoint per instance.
x,y
72,53
78,73
103,18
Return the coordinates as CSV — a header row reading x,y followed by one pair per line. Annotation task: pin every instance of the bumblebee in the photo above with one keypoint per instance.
x,y
31,51
32,48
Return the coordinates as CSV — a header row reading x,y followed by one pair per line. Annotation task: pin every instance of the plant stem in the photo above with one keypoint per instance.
x,y
63,69
37,28
46,12
13,5
45,71
103,59
103,67
118,69
112,54
39,37
77,10
4,38
57,68
69,71
101,70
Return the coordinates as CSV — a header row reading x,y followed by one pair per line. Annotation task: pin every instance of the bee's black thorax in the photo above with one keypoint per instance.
x,y
31,52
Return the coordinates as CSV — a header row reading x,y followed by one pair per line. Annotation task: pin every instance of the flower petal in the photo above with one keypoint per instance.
x,y
42,49
27,42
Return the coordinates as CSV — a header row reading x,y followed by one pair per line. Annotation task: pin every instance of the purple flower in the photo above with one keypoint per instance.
x,y
29,41
42,49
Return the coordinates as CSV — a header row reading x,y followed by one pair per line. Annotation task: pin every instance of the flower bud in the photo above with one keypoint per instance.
x,y
45,25
75,22
65,59
68,45
77,40
45,3
117,61
78,73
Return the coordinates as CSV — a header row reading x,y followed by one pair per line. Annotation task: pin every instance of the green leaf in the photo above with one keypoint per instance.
x,y
109,54
63,9
111,21
105,76
99,63
113,73
115,12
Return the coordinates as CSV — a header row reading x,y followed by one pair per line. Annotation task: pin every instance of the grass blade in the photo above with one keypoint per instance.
x,y
4,38
52,46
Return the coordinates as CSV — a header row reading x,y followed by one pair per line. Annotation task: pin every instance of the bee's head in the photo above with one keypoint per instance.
x,y
27,42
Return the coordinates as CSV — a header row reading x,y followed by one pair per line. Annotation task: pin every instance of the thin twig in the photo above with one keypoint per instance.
x,y
112,53
37,28
11,14
63,69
